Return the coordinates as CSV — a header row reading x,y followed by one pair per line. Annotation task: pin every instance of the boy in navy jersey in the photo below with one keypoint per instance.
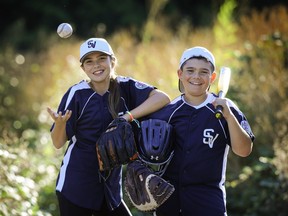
x,y
202,141
84,113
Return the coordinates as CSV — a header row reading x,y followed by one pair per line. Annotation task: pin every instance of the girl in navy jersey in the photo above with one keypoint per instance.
x,y
202,142
84,112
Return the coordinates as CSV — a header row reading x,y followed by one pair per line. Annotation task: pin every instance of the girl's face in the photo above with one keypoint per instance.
x,y
196,76
98,66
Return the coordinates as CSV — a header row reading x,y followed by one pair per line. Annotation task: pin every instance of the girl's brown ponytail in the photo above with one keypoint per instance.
x,y
114,89
114,97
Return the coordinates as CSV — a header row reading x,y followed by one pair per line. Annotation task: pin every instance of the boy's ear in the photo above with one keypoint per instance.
x,y
179,72
82,66
213,77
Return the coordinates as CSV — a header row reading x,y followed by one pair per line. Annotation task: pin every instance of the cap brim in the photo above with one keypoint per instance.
x,y
92,52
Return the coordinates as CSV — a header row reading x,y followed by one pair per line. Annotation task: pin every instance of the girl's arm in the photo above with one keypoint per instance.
x,y
58,133
156,100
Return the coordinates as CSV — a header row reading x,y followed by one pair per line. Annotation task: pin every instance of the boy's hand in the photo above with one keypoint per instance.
x,y
224,103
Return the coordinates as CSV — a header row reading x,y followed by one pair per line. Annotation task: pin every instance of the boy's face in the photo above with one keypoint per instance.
x,y
196,76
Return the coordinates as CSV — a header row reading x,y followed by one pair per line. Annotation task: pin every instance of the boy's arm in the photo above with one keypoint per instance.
x,y
241,142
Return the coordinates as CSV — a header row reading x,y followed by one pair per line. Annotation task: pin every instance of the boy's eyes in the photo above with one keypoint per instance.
x,y
202,71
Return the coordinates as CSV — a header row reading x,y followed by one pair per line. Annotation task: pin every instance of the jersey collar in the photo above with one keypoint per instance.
x,y
210,98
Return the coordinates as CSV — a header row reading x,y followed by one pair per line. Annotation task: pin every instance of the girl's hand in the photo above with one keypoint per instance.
x,y
58,117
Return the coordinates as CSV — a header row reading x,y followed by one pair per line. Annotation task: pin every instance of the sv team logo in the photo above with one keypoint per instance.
x,y
208,137
140,85
91,44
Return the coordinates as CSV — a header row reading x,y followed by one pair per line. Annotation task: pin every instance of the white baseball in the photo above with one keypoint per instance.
x,y
64,30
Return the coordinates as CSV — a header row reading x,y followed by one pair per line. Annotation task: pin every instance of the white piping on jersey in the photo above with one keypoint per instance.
x,y
124,102
122,112
221,183
82,111
111,192
175,111
63,169
81,85
219,122
223,128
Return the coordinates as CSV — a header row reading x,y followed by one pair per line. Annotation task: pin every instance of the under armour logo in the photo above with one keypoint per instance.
x,y
208,137
154,158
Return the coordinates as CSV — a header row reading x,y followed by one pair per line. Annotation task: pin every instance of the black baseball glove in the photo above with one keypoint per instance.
x,y
116,146
145,190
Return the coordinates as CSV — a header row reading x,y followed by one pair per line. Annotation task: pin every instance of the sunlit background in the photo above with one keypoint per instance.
x,y
148,38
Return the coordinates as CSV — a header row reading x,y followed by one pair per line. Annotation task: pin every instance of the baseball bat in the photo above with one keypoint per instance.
x,y
223,85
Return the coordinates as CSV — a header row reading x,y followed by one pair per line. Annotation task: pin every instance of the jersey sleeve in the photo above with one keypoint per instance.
x,y
241,119
68,103
134,91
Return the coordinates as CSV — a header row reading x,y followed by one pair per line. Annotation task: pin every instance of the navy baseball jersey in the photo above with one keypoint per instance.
x,y
79,179
198,167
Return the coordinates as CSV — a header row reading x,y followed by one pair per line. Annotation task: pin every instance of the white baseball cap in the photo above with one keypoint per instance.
x,y
94,45
197,51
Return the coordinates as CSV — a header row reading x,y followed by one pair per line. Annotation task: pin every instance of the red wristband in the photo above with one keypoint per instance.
x,y
130,115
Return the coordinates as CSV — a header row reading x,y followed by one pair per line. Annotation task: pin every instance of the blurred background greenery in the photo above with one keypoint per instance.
x,y
148,37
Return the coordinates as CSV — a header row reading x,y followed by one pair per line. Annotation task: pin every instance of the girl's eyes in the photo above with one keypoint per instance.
x,y
100,59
